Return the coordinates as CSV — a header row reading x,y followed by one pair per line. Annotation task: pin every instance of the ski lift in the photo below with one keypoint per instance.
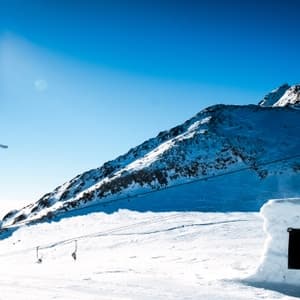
x,y
74,254
38,259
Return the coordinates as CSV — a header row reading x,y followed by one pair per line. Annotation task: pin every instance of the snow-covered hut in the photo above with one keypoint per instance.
x,y
281,258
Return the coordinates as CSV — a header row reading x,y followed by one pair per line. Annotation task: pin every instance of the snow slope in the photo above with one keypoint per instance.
x,y
133,255
245,142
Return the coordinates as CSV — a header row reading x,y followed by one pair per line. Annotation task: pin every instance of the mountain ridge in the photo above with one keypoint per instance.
x,y
217,139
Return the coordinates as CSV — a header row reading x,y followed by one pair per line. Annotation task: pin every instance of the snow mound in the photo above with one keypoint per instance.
x,y
278,215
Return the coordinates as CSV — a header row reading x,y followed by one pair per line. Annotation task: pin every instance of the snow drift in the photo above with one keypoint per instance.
x,y
225,158
279,216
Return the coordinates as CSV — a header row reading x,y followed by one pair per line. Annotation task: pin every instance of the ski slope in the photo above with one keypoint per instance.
x,y
135,255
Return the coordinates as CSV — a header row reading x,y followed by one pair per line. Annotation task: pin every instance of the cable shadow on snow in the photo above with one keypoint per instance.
x,y
179,227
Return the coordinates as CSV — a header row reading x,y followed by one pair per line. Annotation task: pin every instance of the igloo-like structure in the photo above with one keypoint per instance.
x,y
281,258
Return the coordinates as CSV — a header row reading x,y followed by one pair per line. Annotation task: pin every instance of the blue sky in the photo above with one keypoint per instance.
x,y
83,81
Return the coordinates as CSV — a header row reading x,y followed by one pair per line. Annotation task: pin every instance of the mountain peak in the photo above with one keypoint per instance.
x,y
219,140
285,95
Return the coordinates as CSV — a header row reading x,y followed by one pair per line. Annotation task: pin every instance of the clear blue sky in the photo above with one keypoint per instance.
x,y
83,81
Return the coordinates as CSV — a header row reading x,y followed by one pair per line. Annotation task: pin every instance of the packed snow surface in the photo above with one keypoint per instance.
x,y
134,255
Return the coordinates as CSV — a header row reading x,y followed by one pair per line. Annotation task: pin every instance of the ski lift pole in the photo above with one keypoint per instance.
x,y
74,254
38,259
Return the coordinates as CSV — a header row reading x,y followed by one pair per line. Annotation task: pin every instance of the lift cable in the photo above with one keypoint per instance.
x,y
108,232
149,221
143,194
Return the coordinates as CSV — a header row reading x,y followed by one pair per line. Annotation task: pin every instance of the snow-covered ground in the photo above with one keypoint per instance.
x,y
133,255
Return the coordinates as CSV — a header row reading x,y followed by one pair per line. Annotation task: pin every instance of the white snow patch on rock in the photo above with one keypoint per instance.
x,y
285,95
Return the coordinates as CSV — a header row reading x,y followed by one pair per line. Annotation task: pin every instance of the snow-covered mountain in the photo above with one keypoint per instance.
x,y
285,95
252,145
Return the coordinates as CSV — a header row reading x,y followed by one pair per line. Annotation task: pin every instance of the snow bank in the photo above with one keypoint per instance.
x,y
278,215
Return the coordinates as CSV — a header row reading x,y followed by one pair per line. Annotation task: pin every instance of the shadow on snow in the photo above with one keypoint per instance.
x,y
283,288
